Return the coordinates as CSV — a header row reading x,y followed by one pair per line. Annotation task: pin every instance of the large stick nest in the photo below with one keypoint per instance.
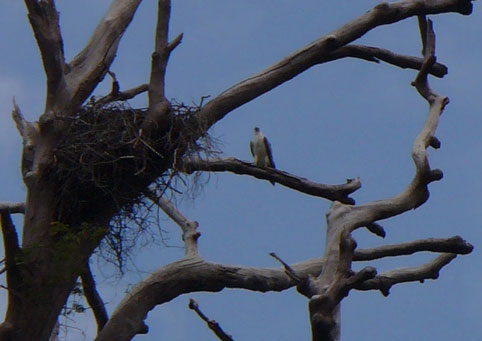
x,y
102,154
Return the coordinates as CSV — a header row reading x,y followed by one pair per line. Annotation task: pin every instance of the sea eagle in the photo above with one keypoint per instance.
x,y
261,151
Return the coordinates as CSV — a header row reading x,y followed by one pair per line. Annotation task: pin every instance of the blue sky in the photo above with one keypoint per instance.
x,y
338,120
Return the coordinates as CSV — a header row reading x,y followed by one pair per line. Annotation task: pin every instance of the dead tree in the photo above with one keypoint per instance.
x,y
85,162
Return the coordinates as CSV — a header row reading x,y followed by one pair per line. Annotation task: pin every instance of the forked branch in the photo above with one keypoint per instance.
x,y
89,67
386,280
117,95
319,51
161,53
189,233
192,275
416,193
158,116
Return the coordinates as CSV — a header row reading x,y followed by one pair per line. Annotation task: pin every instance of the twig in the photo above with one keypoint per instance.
x,y
175,43
117,95
213,325
289,271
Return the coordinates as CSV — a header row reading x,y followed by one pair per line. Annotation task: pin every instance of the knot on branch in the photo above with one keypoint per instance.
x,y
436,175
382,6
434,142
331,42
347,243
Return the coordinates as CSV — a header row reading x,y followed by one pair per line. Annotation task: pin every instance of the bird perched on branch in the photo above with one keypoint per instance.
x,y
261,151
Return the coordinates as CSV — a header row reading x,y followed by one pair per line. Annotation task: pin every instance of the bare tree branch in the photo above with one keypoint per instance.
x,y
161,54
213,325
93,298
195,274
191,275
188,227
416,193
11,248
428,50
318,51
330,192
23,126
326,291
90,65
289,271
386,280
30,136
117,95
12,207
174,43
159,114
454,245
375,54
44,20
327,281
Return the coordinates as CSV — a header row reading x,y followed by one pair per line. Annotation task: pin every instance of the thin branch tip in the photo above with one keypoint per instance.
x,y
175,43
288,269
212,324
